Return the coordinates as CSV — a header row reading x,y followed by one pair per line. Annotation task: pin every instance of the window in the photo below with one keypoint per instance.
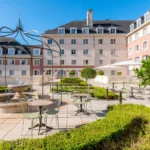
x,y
130,51
73,62
11,51
136,35
137,48
113,41
101,51
62,62
73,41
113,61
49,62
49,52
23,62
11,72
146,17
85,51
61,41
130,39
145,46
19,52
49,41
138,22
36,72
36,62
1,52
36,52
73,30
0,72
11,62
113,52
145,57
62,51
101,62
73,52
145,31
137,59
112,30
131,27
61,30
85,62
85,41
100,41
23,72
100,30
113,72
0,62
85,30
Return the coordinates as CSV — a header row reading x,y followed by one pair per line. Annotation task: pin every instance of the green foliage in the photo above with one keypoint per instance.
x,y
122,126
72,73
2,89
100,72
119,73
88,73
144,72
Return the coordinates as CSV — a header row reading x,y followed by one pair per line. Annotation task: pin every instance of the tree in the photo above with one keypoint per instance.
x,y
100,72
72,73
144,72
88,73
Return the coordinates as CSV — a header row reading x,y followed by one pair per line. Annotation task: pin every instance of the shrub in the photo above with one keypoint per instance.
x,y
72,73
119,73
100,72
2,89
122,126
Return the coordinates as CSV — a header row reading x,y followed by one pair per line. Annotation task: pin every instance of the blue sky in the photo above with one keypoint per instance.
x,y
42,15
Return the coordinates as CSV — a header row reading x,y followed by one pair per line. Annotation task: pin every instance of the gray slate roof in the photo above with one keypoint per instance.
x,y
121,25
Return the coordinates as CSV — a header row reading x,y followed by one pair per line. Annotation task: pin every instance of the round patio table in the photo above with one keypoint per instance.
x,y
81,95
40,103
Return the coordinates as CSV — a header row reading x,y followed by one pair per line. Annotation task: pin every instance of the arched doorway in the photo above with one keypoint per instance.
x,y
61,72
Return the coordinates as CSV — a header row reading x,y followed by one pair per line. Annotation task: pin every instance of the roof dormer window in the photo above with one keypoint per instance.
x,y
73,30
100,30
85,30
147,16
112,30
11,51
131,27
61,30
138,22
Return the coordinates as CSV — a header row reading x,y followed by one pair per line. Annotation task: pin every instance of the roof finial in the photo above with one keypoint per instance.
x,y
19,14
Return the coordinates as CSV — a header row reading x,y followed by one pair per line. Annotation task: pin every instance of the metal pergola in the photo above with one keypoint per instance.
x,y
37,37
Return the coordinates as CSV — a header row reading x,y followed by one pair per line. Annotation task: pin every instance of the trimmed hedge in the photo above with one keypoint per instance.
x,y
122,126
2,89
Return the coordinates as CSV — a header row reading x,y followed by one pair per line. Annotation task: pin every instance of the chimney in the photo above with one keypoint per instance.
x,y
89,18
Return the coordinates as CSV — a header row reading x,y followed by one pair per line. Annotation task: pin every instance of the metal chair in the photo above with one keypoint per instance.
x,y
28,115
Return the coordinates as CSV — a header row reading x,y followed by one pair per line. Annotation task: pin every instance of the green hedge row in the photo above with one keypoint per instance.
x,y
122,126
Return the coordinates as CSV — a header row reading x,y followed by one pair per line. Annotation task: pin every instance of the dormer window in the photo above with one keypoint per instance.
x,y
61,30
11,51
85,30
1,52
138,22
131,27
73,30
100,30
112,30
36,52
147,16
19,52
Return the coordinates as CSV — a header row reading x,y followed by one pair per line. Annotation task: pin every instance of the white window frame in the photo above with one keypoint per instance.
x,y
99,51
36,70
9,49
50,63
131,27
50,40
1,61
85,29
138,22
145,16
85,41
38,53
22,60
113,61
72,29
100,40
61,51
73,41
1,51
18,52
112,28
85,52
61,60
60,41
61,29
113,41
13,72
130,51
34,62
145,30
10,61
145,56
48,52
84,63
145,49
113,51
75,61
136,35
101,62
101,28
25,72
113,72
74,51
136,50
138,59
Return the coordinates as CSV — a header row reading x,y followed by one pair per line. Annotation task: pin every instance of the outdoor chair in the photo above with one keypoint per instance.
x,y
29,115
53,111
